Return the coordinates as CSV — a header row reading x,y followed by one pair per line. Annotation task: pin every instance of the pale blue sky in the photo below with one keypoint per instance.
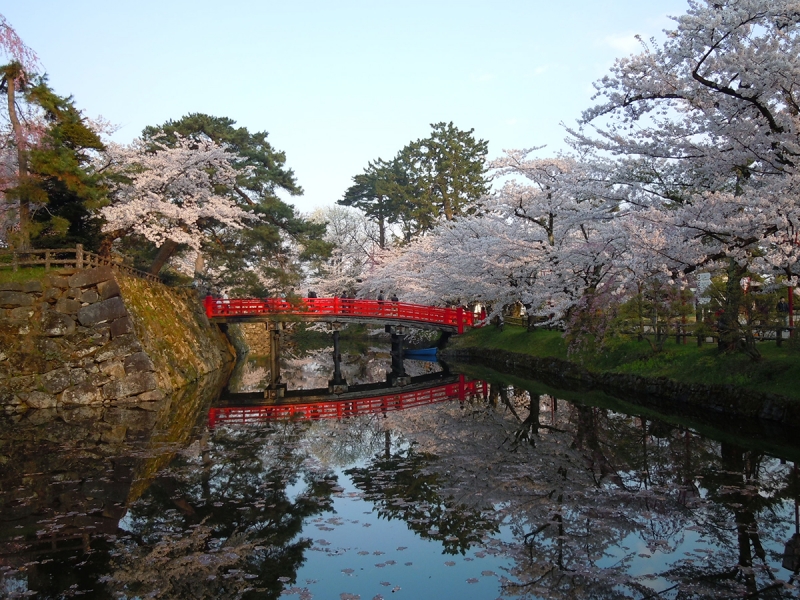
x,y
337,84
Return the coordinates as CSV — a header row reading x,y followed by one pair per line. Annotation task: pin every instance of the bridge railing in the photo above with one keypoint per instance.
x,y
340,307
339,409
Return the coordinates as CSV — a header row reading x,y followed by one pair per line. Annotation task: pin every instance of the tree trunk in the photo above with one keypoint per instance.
x,y
730,331
22,158
164,253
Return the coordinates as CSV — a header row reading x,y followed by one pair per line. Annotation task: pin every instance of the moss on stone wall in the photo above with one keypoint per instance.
x,y
174,331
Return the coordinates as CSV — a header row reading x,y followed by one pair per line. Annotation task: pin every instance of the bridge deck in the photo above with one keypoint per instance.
x,y
339,309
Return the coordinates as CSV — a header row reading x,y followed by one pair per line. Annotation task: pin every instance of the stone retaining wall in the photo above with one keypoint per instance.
x,y
72,340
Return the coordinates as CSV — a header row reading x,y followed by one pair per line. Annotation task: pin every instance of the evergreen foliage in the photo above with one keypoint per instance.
x,y
438,177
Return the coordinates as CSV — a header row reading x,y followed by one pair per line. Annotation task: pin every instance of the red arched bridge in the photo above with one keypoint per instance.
x,y
339,309
346,405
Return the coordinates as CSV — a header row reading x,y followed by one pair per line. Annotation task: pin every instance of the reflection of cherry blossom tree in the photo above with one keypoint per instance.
x,y
221,521
593,497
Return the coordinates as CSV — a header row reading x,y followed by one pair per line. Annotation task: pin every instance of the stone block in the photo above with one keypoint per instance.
x,y
90,297
132,418
10,287
138,362
31,287
113,368
57,381
101,335
58,282
82,394
51,294
89,277
150,397
77,376
107,310
41,400
121,327
50,349
74,294
12,299
118,348
109,289
136,383
57,324
67,306
21,313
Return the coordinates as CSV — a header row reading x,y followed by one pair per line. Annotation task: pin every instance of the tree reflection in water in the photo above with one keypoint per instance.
x,y
575,501
598,504
221,521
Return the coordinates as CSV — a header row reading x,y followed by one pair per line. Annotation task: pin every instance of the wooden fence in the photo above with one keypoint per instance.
x,y
65,258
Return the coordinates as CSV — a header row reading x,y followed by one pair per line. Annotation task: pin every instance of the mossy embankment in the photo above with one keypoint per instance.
x,y
96,337
680,376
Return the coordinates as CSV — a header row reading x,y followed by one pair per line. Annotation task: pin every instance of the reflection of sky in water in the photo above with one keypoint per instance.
x,y
357,552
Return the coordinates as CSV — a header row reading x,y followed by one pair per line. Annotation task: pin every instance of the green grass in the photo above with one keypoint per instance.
x,y
777,372
23,275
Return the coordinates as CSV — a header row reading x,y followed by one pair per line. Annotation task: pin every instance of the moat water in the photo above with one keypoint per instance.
x,y
503,492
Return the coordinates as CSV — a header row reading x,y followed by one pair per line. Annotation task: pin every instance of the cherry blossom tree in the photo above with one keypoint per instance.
x,y
356,242
705,127
171,194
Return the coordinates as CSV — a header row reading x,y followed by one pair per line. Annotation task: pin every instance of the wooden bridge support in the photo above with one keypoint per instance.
x,y
337,385
276,387
398,376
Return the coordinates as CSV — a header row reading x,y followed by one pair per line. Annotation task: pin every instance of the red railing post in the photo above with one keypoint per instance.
x,y
208,304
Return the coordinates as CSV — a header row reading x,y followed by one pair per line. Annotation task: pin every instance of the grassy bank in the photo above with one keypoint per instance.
x,y
778,371
24,275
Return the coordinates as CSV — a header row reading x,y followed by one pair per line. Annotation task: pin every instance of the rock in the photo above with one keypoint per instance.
x,y
57,381
81,394
58,282
51,294
41,400
107,310
20,314
10,287
57,324
12,299
118,348
32,287
114,369
67,306
121,327
90,297
109,289
138,362
74,294
136,383
89,277
101,335
77,376
150,397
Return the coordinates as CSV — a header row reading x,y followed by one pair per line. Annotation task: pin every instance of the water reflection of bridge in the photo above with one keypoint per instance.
x,y
373,398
